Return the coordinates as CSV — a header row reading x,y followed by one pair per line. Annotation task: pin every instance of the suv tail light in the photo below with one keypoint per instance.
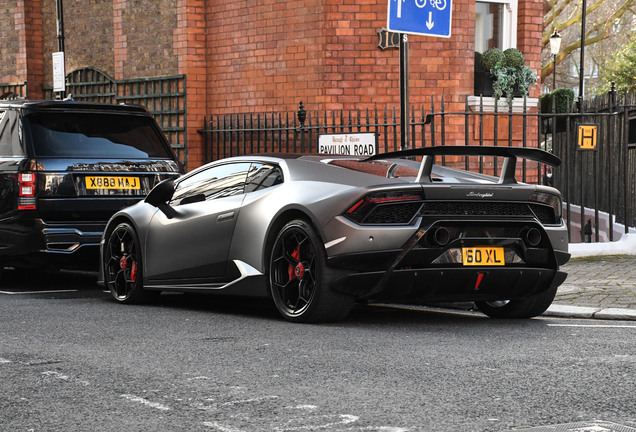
x,y
26,191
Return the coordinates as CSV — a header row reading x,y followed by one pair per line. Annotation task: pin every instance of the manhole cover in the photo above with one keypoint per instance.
x,y
594,426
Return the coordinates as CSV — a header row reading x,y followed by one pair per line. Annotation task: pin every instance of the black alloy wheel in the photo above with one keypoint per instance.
x,y
122,265
299,278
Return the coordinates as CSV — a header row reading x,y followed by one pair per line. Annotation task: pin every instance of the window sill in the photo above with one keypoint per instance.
x,y
502,107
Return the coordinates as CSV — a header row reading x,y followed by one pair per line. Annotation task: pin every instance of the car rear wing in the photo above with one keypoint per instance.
x,y
509,153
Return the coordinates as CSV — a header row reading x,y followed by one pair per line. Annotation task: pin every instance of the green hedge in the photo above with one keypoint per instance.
x,y
564,97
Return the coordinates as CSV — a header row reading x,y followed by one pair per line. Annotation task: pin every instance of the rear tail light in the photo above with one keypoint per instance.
x,y
550,200
26,191
385,208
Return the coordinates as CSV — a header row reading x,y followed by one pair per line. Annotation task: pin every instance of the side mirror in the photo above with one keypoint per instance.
x,y
160,195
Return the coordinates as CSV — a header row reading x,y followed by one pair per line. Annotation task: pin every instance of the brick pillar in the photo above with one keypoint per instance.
x,y
120,46
189,41
29,60
529,33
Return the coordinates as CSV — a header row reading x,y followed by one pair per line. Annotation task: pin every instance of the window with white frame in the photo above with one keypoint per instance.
x,y
495,24
495,27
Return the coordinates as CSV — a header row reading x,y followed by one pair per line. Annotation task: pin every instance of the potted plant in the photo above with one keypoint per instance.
x,y
511,77
483,64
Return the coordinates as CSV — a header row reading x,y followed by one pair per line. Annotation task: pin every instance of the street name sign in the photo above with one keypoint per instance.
x,y
421,17
353,144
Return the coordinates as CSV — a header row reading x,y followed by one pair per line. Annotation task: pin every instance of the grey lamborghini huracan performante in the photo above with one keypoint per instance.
x,y
317,234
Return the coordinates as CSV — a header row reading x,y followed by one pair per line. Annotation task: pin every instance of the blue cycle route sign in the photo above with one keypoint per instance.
x,y
422,17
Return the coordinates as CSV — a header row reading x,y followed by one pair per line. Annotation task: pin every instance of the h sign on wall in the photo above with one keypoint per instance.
x,y
588,134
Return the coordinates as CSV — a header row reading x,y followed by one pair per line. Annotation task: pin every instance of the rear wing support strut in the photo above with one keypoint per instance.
x,y
508,170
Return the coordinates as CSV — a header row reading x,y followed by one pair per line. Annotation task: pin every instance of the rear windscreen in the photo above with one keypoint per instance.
x,y
101,135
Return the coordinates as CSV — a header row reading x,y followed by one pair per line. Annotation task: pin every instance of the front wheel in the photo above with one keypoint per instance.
x,y
298,277
528,307
122,265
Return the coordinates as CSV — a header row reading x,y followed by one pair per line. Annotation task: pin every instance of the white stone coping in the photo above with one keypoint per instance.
x,y
502,105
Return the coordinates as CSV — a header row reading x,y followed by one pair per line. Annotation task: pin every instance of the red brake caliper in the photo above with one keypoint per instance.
x,y
123,263
298,270
133,271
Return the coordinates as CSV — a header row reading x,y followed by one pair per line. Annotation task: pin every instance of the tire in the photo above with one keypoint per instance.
x,y
123,265
299,280
528,307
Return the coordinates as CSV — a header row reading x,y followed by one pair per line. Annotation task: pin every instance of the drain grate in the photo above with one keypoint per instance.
x,y
593,426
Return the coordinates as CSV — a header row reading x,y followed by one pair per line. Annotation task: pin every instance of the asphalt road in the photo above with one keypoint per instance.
x,y
73,360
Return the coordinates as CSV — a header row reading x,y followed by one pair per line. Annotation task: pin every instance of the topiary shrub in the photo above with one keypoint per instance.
x,y
563,99
545,103
513,58
491,58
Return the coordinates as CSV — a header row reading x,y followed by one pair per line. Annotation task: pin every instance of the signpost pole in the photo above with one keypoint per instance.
x,y
415,17
58,58
404,92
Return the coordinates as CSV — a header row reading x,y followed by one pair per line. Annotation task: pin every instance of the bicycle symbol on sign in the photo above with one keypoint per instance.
x,y
437,4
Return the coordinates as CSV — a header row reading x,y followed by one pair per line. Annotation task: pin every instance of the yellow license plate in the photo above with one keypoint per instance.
x,y
108,182
483,256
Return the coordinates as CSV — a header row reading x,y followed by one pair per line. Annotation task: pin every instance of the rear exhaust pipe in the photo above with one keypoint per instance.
x,y
441,236
533,237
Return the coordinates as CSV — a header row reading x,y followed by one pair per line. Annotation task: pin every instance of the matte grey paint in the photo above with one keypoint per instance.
x,y
196,242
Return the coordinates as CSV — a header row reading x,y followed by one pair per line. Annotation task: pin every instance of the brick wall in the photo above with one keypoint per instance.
x,y
267,58
190,50
254,57
147,33
9,43
88,35
144,37
266,55
529,33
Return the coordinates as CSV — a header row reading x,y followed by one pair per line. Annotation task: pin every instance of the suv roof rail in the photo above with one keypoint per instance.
x,y
71,104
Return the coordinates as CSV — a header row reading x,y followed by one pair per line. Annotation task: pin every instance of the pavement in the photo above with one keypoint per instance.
x,y
601,281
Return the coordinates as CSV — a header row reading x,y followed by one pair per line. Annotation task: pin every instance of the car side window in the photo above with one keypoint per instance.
x,y
262,176
215,182
10,144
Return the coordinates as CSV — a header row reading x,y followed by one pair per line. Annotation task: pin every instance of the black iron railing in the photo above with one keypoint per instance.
x,y
16,90
598,187
299,132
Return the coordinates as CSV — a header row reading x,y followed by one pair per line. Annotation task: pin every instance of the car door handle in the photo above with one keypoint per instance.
x,y
225,217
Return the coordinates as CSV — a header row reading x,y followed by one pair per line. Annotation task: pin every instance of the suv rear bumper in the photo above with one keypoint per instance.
x,y
60,238
33,242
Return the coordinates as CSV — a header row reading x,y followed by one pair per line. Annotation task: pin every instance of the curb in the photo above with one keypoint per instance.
x,y
564,311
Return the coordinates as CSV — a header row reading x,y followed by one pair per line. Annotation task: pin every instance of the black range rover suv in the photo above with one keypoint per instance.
x,y
65,168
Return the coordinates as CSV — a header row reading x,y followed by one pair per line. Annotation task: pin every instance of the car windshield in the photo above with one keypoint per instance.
x,y
94,135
